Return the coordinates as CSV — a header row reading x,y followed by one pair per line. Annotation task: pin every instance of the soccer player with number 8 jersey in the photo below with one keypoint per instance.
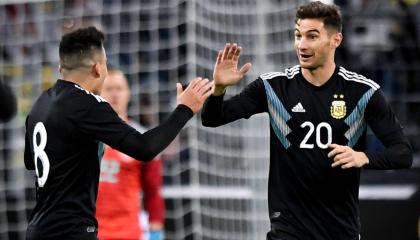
x,y
66,130
318,114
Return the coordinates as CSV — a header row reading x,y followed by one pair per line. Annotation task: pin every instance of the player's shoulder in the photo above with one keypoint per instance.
x,y
288,73
70,92
357,79
75,101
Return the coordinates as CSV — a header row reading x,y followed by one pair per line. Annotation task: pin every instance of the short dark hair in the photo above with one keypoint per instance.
x,y
79,45
329,14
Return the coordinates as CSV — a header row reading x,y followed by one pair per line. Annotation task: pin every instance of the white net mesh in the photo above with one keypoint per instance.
x,y
215,180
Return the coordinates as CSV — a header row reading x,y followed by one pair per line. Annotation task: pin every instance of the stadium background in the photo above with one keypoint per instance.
x,y
215,180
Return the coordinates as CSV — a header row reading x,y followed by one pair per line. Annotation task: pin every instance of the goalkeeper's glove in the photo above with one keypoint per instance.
x,y
156,235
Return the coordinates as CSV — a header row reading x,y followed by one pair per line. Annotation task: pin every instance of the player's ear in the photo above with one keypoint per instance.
x,y
96,70
337,39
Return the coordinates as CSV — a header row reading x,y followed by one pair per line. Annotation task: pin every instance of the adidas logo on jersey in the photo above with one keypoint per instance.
x,y
298,108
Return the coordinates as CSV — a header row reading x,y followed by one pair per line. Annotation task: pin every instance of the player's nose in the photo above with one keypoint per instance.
x,y
302,44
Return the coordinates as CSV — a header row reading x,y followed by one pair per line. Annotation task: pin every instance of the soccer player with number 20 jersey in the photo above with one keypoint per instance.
x,y
318,115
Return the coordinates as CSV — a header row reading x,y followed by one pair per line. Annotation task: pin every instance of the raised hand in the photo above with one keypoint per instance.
x,y
195,94
226,71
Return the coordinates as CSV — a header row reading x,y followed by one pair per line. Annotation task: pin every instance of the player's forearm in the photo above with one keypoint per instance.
x,y
397,154
157,212
217,112
155,206
146,146
211,114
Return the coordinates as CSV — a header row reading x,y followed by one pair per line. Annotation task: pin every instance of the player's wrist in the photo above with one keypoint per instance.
x,y
364,159
219,90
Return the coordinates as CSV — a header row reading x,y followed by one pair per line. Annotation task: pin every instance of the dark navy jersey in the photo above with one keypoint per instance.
x,y
64,134
308,199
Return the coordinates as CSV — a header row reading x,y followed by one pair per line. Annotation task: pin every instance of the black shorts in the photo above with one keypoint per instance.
x,y
282,230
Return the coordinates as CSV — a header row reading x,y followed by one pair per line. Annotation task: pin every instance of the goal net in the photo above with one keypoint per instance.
x,y
215,179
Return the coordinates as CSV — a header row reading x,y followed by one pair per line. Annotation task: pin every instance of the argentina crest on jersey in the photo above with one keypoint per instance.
x,y
338,107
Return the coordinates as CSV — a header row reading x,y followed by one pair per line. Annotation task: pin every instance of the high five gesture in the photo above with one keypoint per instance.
x,y
226,71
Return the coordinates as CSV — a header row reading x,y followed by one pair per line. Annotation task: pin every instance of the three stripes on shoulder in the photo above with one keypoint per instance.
x,y
344,73
289,73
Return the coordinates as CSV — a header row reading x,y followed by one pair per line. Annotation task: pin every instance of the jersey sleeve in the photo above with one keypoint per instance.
x,y
102,123
252,100
385,125
151,173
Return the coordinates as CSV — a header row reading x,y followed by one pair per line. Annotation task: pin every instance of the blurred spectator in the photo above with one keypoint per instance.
x,y
123,179
405,34
407,44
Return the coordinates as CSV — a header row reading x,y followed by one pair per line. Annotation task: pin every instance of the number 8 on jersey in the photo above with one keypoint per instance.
x,y
39,153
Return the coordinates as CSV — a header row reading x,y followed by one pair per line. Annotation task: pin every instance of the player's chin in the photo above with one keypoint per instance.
x,y
307,65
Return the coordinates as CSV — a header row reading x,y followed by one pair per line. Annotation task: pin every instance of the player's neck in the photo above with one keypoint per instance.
x,y
80,79
320,75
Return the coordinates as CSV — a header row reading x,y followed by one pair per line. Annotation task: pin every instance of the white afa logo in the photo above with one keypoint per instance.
x,y
338,107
